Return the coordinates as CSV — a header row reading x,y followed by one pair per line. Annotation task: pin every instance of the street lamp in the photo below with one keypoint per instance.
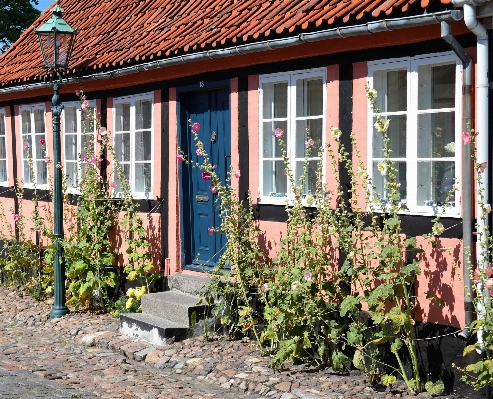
x,y
56,39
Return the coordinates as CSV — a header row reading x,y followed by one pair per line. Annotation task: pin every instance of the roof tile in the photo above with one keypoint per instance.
x,y
118,32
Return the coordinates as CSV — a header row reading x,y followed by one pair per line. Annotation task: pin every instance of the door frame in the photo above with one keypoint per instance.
x,y
202,85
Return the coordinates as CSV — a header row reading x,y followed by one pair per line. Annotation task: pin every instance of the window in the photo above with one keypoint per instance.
x,y
3,150
33,130
78,138
133,143
295,103
421,97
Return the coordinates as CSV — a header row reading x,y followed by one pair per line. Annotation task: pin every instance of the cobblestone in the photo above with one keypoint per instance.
x,y
84,353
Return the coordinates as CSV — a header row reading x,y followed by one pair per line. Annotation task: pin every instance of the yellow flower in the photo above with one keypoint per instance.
x,y
130,302
139,292
130,292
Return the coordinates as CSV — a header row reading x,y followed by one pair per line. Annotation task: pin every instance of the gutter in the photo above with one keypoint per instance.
x,y
466,178
384,25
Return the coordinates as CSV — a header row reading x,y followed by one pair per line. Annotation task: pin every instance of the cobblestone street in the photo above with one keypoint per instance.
x,y
84,354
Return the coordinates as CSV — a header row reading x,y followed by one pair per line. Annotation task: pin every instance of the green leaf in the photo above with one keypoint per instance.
x,y
388,380
396,346
350,305
339,360
359,360
435,388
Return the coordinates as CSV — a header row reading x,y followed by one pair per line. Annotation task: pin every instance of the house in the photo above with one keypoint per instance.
x,y
240,68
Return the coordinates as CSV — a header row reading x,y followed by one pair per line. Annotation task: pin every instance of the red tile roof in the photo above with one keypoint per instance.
x,y
114,33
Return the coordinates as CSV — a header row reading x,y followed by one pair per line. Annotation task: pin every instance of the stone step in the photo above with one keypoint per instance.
x,y
187,283
174,306
153,329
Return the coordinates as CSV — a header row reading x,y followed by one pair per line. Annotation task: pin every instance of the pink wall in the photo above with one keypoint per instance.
x,y
253,135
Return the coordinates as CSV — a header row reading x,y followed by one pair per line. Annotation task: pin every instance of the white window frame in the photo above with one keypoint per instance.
x,y
290,77
33,140
412,64
3,118
79,133
132,100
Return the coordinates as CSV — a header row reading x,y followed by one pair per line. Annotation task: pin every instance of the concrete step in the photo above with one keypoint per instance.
x,y
153,329
188,283
174,306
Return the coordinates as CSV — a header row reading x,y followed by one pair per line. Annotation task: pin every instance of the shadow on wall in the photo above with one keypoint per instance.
x,y
440,276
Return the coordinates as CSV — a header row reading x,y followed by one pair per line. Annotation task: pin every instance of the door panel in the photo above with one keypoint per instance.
x,y
199,208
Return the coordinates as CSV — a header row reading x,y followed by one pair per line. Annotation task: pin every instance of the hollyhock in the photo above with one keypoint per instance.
x,y
16,218
206,176
195,127
309,143
237,173
308,276
213,189
198,151
42,141
278,133
483,167
179,157
210,230
26,146
466,138
113,184
265,287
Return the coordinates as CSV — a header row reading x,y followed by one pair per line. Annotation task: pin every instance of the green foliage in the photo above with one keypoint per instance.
x,y
435,388
15,17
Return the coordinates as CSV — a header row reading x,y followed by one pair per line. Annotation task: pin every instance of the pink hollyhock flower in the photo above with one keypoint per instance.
x,y
47,160
238,173
179,157
195,127
84,104
466,138
265,287
213,189
206,176
488,283
488,208
42,141
476,276
103,131
113,184
210,230
26,146
309,143
58,166
77,93
43,263
198,151
89,197
278,133
308,276
489,270
16,218
483,167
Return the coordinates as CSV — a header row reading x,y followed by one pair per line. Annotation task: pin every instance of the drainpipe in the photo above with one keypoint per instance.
x,y
466,180
481,126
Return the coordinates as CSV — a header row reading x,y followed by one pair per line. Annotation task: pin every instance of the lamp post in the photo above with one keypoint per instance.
x,y
56,39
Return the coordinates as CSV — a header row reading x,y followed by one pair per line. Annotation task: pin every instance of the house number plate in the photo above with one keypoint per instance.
x,y
202,198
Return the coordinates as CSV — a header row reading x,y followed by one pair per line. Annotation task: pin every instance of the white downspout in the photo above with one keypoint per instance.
x,y
481,126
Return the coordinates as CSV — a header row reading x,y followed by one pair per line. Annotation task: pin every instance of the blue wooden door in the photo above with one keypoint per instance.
x,y
210,108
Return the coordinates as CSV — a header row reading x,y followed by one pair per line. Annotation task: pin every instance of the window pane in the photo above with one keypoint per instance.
x,y
41,172
27,173
122,117
70,147
397,137
3,149
310,178
436,135
436,86
70,122
271,146
122,146
3,171
309,97
379,179
391,87
143,146
308,129
143,114
39,121
26,121
126,172
143,177
87,121
40,153
87,144
71,173
435,183
275,179
2,124
275,100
